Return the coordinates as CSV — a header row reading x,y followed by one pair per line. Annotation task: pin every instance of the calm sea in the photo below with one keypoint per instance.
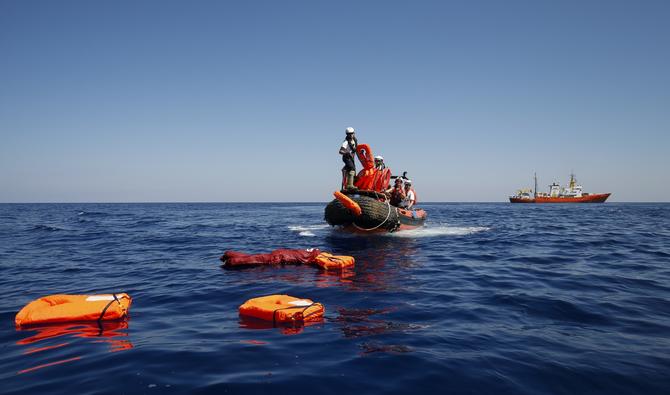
x,y
486,299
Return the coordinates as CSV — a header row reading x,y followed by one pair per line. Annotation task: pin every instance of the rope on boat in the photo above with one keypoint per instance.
x,y
382,223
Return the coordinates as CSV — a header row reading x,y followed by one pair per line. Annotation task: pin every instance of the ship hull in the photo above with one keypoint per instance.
x,y
594,198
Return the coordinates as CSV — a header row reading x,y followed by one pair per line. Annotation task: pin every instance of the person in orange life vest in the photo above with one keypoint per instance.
x,y
348,150
396,192
410,196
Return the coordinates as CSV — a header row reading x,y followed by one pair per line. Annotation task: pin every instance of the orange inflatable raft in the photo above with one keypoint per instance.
x,y
282,309
69,308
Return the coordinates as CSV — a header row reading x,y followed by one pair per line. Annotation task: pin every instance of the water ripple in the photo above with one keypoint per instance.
x,y
487,298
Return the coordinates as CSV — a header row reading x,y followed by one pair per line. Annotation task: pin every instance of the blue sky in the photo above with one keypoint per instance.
x,y
248,101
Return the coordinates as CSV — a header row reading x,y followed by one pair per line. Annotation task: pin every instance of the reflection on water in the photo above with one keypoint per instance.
x,y
382,262
363,323
285,328
333,278
111,333
370,348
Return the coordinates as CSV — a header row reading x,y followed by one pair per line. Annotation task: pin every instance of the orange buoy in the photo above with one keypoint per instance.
x,y
329,261
348,203
282,309
68,308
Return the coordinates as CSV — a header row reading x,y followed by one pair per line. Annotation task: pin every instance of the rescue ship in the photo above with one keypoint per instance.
x,y
571,194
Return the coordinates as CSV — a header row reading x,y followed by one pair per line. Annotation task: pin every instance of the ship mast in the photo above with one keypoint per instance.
x,y
535,190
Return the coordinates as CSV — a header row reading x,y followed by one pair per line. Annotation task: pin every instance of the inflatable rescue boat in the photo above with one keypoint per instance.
x,y
364,211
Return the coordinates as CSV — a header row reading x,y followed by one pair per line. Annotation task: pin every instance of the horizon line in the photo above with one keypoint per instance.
x,y
283,202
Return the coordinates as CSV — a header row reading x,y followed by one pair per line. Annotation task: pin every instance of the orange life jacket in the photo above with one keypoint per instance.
x,y
68,308
382,179
329,261
366,179
282,309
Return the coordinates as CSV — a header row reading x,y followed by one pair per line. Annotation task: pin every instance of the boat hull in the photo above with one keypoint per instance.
x,y
594,198
377,216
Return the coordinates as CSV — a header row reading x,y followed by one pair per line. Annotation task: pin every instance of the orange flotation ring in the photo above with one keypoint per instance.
x,y
68,308
282,309
348,203
329,261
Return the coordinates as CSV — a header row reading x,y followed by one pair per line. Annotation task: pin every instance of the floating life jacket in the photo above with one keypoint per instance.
x,y
282,256
312,256
329,261
282,309
69,308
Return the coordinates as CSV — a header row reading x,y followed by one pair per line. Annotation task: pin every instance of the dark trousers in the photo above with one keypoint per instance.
x,y
349,164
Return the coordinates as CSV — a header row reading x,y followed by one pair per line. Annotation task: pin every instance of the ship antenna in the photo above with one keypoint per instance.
x,y
535,190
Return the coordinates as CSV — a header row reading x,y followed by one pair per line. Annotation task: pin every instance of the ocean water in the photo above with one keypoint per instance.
x,y
486,299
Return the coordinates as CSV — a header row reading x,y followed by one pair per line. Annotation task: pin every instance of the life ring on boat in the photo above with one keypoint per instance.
x,y
281,309
68,308
329,261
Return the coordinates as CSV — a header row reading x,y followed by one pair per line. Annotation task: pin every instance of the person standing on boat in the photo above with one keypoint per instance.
x,y
410,196
348,150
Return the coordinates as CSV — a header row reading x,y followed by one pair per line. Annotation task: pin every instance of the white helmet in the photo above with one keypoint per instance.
x,y
349,130
379,157
408,182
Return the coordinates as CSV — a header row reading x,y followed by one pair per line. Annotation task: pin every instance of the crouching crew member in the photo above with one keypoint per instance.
x,y
410,196
396,192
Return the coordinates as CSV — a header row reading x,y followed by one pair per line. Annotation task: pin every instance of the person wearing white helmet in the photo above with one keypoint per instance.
x,y
348,150
410,195
379,162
